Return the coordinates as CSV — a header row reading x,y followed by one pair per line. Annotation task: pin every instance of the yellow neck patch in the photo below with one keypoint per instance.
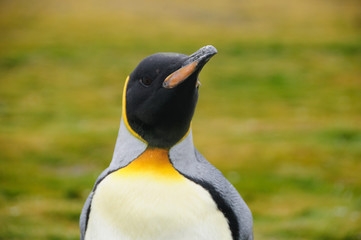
x,y
154,163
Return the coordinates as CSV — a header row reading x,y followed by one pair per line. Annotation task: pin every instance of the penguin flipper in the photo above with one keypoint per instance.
x,y
84,216
227,199
192,165
127,149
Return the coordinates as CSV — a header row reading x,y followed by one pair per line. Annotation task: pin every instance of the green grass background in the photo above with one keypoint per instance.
x,y
279,110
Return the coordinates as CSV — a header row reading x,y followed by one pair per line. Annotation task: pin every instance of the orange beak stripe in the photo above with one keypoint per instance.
x,y
180,75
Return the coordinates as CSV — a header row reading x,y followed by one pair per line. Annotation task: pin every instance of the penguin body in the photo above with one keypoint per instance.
x,y
158,186
143,211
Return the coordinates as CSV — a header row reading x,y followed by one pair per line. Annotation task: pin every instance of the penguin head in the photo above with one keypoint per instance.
x,y
161,95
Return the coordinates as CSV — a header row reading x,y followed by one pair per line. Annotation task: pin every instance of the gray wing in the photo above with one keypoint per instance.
x,y
127,148
190,163
84,216
227,198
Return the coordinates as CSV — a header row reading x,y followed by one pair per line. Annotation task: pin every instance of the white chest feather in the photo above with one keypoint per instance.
x,y
153,203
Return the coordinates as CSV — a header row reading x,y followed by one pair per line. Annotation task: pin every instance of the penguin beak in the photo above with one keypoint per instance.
x,y
194,63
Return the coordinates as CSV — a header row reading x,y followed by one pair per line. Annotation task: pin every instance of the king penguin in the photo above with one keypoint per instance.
x,y
158,186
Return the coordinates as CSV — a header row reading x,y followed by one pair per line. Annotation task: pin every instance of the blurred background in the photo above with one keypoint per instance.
x,y
279,108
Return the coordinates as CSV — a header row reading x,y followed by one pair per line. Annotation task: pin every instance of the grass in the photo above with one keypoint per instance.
x,y
282,99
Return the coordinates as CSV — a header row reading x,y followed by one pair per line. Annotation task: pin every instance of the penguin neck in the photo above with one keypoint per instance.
x,y
153,163
129,147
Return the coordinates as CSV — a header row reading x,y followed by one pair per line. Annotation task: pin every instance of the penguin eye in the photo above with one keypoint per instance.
x,y
145,81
